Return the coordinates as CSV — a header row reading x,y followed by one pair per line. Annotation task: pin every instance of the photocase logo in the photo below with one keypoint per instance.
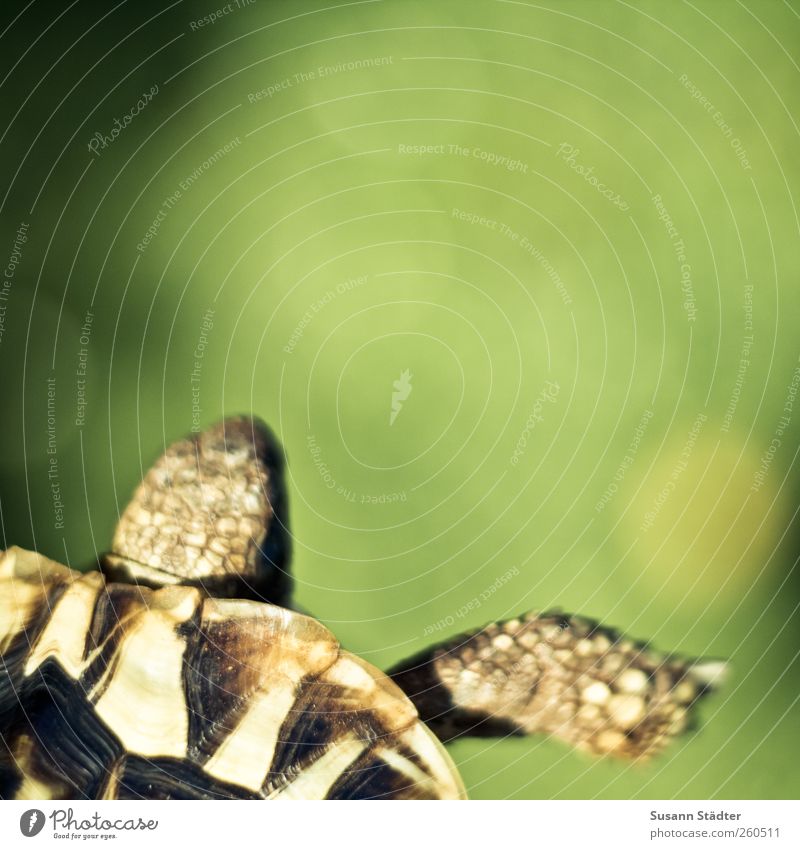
x,y
402,389
31,822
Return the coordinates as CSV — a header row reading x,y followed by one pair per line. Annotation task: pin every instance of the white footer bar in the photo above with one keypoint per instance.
x,y
411,825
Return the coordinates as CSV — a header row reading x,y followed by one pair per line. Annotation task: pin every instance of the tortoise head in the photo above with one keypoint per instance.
x,y
211,513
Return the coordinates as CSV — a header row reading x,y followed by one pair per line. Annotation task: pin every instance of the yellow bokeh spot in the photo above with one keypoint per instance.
x,y
705,519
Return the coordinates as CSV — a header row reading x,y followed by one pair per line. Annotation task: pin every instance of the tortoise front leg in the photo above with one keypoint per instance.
x,y
559,675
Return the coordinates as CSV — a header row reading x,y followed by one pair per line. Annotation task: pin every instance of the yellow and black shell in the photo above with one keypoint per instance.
x,y
119,691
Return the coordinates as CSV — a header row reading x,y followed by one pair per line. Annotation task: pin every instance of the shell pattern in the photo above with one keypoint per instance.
x,y
113,690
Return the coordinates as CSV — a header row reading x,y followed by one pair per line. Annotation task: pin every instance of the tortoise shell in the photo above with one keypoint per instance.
x,y
119,691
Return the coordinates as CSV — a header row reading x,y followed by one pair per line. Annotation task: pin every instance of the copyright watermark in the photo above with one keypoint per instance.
x,y
548,395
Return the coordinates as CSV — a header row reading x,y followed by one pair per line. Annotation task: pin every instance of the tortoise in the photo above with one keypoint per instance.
x,y
179,669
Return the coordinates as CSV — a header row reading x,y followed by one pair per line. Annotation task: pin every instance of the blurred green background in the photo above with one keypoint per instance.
x,y
574,224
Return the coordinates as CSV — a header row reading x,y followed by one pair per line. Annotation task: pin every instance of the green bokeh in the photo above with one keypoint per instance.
x,y
319,208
